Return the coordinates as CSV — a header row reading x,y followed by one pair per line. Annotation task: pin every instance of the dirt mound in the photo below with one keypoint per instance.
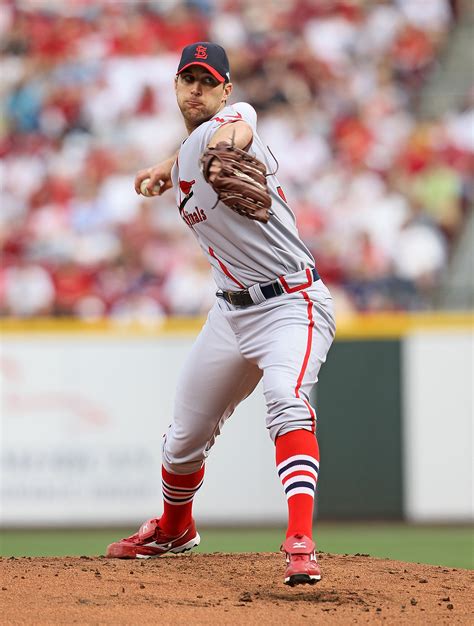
x,y
230,589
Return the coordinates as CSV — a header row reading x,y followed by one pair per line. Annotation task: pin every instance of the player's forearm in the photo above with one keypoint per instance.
x,y
155,180
167,164
239,133
171,161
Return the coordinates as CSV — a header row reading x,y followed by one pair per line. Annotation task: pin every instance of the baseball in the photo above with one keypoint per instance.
x,y
144,191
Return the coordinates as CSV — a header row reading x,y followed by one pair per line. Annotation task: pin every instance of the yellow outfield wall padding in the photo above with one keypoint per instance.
x,y
361,326
396,325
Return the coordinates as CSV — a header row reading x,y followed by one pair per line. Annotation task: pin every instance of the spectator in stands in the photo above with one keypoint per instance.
x,y
379,195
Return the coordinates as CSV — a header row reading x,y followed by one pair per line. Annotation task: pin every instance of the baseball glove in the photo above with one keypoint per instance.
x,y
241,184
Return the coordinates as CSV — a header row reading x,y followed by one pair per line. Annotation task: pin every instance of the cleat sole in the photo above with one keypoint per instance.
x,y
302,579
195,541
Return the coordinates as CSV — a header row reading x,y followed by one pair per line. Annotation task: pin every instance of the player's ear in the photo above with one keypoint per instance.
x,y
227,91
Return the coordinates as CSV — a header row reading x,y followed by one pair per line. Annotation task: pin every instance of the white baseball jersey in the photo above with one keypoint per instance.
x,y
283,340
241,251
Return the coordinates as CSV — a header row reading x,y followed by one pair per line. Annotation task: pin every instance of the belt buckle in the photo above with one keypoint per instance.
x,y
231,296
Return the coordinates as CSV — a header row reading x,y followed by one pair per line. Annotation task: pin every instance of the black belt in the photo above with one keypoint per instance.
x,y
270,290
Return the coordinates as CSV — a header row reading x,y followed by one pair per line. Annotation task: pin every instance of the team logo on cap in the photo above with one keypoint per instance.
x,y
201,52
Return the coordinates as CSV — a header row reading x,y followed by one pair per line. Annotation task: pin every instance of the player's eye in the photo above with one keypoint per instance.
x,y
208,80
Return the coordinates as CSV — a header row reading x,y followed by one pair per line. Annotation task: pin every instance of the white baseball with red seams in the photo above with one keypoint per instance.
x,y
283,340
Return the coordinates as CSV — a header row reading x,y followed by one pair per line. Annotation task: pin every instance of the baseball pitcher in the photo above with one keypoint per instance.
x,y
272,318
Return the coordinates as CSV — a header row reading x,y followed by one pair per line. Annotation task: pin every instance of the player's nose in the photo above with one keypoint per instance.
x,y
196,88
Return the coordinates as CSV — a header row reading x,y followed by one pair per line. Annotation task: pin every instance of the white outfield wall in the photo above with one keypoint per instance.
x,y
438,403
82,424
83,415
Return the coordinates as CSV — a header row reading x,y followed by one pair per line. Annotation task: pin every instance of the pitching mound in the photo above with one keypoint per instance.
x,y
230,589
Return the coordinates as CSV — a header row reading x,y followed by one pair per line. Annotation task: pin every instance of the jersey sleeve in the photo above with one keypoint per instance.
x,y
234,113
246,112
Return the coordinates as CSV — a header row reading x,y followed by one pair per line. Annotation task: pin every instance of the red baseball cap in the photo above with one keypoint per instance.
x,y
209,55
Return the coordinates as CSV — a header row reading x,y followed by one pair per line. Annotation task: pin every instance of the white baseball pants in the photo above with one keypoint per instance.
x,y
284,339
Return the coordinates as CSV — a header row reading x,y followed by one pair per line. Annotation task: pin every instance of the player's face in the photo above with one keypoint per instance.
x,y
200,95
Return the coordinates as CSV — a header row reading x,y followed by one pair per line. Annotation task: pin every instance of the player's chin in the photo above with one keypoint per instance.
x,y
197,115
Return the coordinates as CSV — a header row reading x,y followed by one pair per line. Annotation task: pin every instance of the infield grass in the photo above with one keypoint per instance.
x,y
447,546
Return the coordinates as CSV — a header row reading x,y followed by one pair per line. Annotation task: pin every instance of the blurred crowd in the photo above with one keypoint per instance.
x,y
87,93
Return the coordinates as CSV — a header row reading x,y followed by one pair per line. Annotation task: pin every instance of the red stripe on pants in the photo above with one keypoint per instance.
x,y
309,343
224,269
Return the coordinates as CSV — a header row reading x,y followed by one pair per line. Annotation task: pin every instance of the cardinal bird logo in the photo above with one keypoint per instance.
x,y
198,215
186,186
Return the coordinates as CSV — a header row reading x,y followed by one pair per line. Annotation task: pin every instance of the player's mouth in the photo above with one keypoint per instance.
x,y
194,103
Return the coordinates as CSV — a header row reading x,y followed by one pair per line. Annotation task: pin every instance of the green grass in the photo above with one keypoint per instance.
x,y
448,546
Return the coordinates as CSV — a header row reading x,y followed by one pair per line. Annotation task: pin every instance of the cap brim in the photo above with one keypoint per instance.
x,y
210,69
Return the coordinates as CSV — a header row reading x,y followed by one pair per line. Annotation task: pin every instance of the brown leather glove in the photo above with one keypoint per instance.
x,y
241,184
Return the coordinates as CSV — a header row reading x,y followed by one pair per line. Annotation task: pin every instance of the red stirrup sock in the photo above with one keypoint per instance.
x,y
178,494
297,459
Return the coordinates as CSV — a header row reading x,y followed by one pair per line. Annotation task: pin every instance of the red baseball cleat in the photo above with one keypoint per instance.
x,y
150,541
302,567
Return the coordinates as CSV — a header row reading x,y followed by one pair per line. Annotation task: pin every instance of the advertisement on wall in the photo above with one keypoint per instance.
x,y
81,434
82,425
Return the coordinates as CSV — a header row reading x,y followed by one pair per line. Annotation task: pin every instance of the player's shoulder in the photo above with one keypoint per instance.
x,y
228,115
246,112
235,112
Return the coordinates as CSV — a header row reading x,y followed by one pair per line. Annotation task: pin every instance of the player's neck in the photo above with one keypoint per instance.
x,y
190,127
